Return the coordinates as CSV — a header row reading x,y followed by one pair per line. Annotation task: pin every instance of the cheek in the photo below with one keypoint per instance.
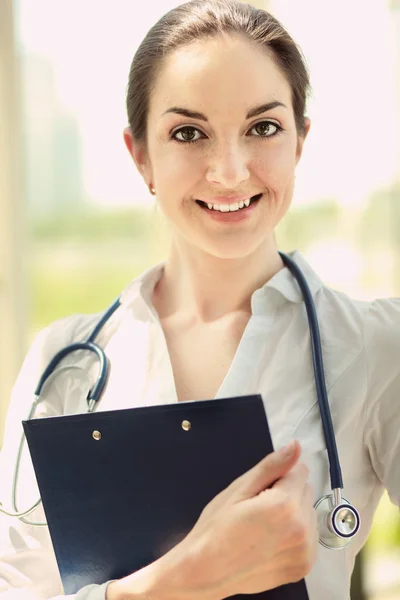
x,y
275,168
176,170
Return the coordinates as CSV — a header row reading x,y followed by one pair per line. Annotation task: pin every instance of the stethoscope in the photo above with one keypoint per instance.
x,y
338,520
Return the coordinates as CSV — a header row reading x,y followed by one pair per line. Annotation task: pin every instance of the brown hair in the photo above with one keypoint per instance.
x,y
201,19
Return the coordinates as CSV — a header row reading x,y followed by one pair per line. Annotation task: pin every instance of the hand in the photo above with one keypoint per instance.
x,y
250,538
258,533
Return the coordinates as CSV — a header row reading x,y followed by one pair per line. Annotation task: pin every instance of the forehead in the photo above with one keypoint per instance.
x,y
219,74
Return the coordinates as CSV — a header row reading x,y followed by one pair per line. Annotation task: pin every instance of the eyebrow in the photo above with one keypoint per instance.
x,y
254,112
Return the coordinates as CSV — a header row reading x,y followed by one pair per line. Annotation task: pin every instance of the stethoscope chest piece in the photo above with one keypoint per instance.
x,y
338,521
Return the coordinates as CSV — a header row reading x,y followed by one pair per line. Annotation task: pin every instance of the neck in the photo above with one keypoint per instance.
x,y
206,288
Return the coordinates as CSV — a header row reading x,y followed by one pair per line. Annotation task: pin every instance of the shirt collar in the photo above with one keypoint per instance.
x,y
285,283
282,282
141,288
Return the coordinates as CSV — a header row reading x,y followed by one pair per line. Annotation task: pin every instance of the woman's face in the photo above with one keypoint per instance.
x,y
221,132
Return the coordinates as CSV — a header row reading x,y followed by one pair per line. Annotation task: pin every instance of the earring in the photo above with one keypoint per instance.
x,y
152,190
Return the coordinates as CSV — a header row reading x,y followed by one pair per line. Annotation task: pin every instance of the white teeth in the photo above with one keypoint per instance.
x,y
235,206
224,208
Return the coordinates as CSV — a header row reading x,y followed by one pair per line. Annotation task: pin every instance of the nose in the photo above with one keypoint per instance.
x,y
228,166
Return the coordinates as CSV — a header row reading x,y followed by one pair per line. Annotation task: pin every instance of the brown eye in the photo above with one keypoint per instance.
x,y
187,134
266,129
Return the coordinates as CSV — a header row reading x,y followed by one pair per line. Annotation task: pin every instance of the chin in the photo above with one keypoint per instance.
x,y
234,250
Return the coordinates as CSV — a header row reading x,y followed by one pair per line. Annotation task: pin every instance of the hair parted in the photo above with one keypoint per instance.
x,y
202,19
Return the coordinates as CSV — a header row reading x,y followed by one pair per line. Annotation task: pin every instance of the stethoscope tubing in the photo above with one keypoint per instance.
x,y
319,375
90,346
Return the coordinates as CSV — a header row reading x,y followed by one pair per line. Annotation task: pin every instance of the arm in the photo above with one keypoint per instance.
x,y
28,568
382,415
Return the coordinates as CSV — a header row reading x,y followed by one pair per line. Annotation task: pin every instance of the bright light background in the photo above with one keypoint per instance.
x,y
353,147
91,45
350,47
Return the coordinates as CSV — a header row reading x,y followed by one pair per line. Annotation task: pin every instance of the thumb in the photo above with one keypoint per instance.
x,y
268,470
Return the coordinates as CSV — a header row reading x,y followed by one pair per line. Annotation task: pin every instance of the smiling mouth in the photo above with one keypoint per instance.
x,y
233,207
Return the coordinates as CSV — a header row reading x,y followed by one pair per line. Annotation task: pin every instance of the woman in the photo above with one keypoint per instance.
x,y
216,108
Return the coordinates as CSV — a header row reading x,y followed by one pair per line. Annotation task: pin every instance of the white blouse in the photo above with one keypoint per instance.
x,y
361,349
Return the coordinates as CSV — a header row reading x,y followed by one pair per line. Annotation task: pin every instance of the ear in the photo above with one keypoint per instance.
x,y
139,154
301,139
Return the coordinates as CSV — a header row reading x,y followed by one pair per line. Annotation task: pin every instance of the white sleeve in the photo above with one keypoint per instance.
x,y
382,424
28,568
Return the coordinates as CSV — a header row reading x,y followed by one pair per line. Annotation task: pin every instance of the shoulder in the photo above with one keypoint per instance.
x,y
64,331
78,327
45,346
366,331
335,309
382,332
357,331
371,318
341,307
376,321
342,322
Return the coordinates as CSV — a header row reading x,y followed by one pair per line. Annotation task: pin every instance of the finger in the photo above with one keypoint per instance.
x,y
267,471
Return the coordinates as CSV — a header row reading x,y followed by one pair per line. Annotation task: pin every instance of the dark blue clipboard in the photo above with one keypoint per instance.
x,y
116,504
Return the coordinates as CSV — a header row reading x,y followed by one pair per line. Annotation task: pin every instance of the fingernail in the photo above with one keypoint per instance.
x,y
287,450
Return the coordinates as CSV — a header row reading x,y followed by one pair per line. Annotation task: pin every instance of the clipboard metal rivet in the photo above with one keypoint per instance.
x,y
96,435
186,425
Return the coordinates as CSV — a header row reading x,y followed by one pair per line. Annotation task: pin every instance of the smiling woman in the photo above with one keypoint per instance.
x,y
216,107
